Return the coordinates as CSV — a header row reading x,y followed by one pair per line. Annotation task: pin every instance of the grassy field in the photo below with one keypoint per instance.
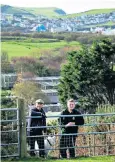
x,y
79,159
47,11
17,49
90,12
32,11
109,24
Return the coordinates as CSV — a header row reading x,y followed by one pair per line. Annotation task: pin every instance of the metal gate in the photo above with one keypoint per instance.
x,y
9,132
13,132
97,136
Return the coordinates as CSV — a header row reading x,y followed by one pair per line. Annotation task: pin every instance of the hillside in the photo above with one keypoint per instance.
x,y
90,12
49,19
49,12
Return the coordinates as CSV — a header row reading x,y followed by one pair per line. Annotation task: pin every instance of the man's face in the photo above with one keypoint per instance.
x,y
39,105
71,105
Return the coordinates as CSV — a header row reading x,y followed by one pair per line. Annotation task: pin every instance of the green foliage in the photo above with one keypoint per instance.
x,y
4,56
29,91
25,90
5,93
106,119
6,66
30,65
100,122
5,138
88,75
54,130
6,100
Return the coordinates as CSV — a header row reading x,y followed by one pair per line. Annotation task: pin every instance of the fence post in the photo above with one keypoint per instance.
x,y
22,129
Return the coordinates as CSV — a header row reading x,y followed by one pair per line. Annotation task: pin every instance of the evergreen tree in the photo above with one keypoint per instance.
x,y
89,75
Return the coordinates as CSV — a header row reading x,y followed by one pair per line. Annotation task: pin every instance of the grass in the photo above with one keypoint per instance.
x,y
47,11
90,12
110,23
18,49
30,11
79,159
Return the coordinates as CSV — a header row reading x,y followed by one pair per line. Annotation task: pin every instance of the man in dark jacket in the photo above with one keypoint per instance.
x,y
35,123
69,125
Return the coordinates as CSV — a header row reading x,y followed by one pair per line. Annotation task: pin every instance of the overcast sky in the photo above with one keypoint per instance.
x,y
69,6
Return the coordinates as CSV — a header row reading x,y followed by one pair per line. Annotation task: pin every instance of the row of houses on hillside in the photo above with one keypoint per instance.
x,y
43,24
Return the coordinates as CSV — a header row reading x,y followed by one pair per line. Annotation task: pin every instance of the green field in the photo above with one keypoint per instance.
x,y
17,49
90,12
32,11
49,12
110,23
79,159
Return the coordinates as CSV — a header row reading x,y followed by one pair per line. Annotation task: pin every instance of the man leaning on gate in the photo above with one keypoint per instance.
x,y
69,125
35,128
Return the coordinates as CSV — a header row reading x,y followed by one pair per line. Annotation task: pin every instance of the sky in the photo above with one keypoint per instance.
x,y
69,6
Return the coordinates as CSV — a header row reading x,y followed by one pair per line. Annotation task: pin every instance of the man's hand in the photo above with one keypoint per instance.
x,y
43,115
70,124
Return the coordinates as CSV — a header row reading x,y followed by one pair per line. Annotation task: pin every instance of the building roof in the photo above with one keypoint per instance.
x,y
9,74
43,78
49,84
49,91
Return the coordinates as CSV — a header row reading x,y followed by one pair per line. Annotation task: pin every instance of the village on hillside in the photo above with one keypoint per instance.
x,y
85,23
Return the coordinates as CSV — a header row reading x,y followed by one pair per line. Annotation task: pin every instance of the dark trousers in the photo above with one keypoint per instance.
x,y
40,142
67,141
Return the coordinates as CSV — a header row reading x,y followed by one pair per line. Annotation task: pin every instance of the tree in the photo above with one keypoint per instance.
x,y
89,76
29,91
30,64
6,66
4,56
24,64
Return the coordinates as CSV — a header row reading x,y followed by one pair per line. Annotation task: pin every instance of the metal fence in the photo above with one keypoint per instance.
x,y
13,131
9,132
96,137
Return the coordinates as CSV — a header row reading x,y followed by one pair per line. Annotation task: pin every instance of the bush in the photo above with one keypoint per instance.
x,y
52,130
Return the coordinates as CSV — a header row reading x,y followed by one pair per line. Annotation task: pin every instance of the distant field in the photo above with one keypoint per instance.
x,y
90,12
49,12
32,11
17,49
110,23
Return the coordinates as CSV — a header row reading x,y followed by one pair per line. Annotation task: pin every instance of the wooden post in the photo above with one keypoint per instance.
x,y
22,129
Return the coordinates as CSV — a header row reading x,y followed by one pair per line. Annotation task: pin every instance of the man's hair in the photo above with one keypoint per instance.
x,y
71,100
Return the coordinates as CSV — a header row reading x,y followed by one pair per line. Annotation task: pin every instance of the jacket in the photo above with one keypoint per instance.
x,y
65,120
37,119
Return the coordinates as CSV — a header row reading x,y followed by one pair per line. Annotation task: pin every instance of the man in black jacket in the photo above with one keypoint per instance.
x,y
35,123
69,125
